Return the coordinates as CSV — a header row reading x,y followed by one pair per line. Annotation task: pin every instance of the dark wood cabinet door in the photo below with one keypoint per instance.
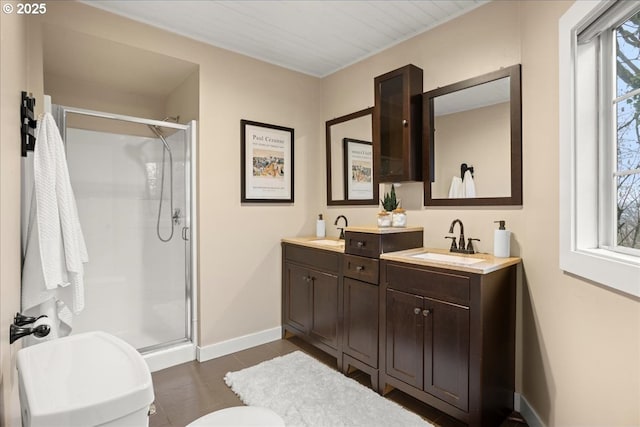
x,y
446,352
324,312
404,336
361,321
297,299
397,132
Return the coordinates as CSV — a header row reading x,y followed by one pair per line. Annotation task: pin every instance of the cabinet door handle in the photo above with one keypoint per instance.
x,y
416,310
360,244
405,123
359,267
426,312
307,278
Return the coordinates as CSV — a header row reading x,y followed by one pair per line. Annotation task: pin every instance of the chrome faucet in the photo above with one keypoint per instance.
x,y
346,224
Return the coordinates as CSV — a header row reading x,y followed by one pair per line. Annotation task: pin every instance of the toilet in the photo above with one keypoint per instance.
x,y
240,416
88,379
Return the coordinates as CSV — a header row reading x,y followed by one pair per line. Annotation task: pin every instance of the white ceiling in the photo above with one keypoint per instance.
x,y
313,37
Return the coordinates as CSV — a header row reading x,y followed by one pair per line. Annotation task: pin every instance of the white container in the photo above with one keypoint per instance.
x,y
501,241
84,380
321,227
399,218
384,219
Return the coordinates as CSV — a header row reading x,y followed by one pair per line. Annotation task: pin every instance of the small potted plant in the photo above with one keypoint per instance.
x,y
389,204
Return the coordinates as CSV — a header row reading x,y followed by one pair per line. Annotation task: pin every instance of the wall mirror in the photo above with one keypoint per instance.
x,y
474,125
350,160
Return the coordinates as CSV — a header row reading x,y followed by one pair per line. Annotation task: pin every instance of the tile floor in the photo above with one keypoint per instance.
x,y
188,391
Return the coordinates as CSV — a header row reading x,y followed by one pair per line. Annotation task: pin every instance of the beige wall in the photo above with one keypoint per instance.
x,y
13,79
183,101
578,353
480,138
578,343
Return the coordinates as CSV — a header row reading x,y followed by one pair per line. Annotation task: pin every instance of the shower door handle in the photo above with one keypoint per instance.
x,y
185,233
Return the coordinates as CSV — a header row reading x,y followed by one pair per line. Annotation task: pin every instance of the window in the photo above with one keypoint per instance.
x,y
625,108
599,51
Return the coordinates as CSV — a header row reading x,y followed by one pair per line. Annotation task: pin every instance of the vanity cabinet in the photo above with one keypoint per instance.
x,y
361,292
427,345
397,125
448,339
312,296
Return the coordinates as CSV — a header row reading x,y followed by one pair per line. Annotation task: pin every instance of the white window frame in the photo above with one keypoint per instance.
x,y
580,161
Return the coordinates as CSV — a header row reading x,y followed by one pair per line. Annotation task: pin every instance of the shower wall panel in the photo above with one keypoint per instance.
x,y
134,283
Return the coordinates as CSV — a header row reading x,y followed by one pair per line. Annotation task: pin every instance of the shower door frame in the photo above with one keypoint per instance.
x,y
191,271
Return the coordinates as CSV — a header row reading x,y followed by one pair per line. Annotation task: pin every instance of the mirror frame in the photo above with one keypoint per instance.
x,y
328,124
514,73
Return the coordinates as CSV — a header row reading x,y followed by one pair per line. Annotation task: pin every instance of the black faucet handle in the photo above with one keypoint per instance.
x,y
470,245
453,247
20,319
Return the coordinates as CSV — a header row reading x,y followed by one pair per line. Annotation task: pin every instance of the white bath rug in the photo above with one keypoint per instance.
x,y
305,392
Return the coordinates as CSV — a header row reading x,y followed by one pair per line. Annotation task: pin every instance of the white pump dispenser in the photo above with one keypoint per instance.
x,y
501,241
320,227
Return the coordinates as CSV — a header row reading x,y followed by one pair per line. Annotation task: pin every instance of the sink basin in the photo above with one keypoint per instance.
x,y
328,242
451,259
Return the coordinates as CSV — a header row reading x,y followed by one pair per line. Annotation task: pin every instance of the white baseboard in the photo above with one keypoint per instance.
x,y
237,344
521,405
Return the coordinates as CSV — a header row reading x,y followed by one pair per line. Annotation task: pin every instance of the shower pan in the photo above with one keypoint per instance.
x,y
133,180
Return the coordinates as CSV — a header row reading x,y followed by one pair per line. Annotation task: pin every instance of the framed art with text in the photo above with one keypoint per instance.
x,y
267,163
358,169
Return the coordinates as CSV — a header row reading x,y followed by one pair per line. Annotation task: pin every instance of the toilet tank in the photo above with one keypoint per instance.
x,y
89,379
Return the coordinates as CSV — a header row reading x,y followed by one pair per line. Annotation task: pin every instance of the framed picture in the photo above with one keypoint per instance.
x,y
267,163
358,169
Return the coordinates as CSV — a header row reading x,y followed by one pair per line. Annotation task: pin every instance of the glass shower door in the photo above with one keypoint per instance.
x,y
132,190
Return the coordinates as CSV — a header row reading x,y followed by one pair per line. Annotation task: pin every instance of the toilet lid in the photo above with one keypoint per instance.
x,y
240,416
84,379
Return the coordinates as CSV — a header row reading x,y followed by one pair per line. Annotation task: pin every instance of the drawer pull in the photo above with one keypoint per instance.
x,y
361,244
360,267
425,313
416,310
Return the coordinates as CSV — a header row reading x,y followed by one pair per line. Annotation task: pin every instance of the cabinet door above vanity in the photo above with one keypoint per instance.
x,y
397,125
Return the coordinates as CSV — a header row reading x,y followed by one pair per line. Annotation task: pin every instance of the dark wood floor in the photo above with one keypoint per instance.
x,y
188,391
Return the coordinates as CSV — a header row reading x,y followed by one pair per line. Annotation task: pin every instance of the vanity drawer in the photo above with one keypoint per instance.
x,y
318,258
449,287
361,268
363,244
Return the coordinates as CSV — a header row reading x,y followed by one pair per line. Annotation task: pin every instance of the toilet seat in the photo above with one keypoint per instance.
x,y
240,416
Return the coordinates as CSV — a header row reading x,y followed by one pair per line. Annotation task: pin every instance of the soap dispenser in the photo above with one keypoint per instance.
x,y
501,241
320,227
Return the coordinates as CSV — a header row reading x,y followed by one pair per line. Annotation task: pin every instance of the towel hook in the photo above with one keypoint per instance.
x,y
464,168
27,123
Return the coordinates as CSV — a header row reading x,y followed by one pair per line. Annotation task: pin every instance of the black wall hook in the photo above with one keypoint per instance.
x,y
464,168
28,123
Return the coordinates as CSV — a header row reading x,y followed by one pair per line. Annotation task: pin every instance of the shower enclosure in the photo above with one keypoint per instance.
x,y
133,180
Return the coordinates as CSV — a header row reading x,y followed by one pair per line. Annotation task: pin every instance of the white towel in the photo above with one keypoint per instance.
x,y
456,190
55,250
468,185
